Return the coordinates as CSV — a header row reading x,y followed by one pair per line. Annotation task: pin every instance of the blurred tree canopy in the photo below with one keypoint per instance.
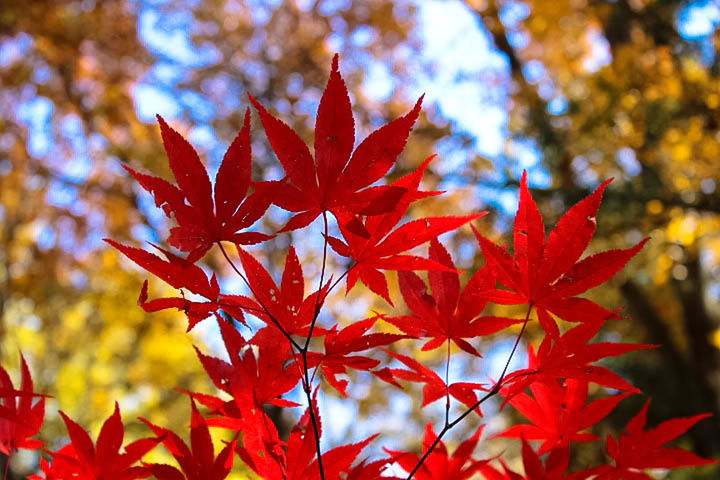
x,y
579,91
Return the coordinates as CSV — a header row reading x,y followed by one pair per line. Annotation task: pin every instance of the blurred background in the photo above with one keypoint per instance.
x,y
573,91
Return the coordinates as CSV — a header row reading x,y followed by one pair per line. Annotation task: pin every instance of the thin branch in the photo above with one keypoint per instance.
x,y
271,316
322,279
494,391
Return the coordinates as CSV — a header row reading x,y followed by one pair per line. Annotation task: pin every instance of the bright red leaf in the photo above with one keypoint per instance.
x,y
570,356
638,449
447,313
435,387
84,460
197,462
180,273
548,275
336,178
339,345
559,414
439,465
202,220
20,416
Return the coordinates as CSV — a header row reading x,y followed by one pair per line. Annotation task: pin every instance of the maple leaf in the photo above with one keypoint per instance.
x,y
340,344
439,465
202,220
249,378
548,275
554,467
435,387
374,246
570,356
336,178
181,273
639,449
20,419
197,462
83,460
559,413
301,453
287,304
447,314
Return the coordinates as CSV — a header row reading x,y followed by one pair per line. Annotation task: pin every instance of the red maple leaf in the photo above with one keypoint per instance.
x,y
202,220
83,460
20,419
301,455
373,245
570,356
336,178
548,275
439,465
339,345
197,462
435,387
447,314
250,378
559,414
287,304
554,467
640,449
181,273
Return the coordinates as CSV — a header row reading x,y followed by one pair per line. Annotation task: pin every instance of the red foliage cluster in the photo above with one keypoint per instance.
x,y
545,273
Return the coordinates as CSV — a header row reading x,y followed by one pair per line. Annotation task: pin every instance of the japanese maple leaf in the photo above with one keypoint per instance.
x,y
339,345
554,467
20,416
639,449
447,314
204,220
286,304
435,387
301,453
249,378
85,461
570,356
373,245
439,465
547,274
559,414
336,177
181,273
197,462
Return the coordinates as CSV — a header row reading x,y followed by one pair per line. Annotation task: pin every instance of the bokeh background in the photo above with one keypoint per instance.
x,y
573,91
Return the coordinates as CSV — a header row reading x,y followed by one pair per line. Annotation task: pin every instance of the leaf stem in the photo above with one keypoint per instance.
x,y
271,316
494,391
320,286
447,384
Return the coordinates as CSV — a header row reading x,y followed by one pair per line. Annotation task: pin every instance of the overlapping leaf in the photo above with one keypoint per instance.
x,y
559,414
571,356
440,465
84,460
197,462
373,245
286,304
448,314
181,273
435,387
340,345
639,450
21,417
